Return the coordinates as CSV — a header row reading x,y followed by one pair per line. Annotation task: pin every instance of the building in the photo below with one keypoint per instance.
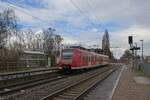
x,y
33,59
147,59
106,44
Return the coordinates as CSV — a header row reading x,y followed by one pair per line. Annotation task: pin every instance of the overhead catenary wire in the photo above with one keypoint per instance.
x,y
91,8
44,21
81,11
16,8
35,17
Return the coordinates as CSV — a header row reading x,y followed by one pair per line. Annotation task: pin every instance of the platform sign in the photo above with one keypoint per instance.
x,y
49,62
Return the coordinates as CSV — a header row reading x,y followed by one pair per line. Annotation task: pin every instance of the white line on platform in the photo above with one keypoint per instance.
x,y
116,83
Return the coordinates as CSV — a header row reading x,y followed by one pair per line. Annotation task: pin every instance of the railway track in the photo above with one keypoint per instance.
x,y
25,85
79,88
42,91
11,89
8,80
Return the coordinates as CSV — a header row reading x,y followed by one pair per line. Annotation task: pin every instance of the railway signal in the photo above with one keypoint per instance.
x,y
130,41
133,48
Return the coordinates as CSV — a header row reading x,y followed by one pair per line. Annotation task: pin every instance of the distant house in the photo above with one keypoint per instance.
x,y
33,59
147,59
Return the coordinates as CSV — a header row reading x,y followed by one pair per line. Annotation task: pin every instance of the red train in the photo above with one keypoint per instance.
x,y
77,58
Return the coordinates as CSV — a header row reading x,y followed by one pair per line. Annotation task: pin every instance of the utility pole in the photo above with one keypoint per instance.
x,y
135,49
135,57
142,50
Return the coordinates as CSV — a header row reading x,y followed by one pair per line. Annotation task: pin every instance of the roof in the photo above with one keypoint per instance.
x,y
34,52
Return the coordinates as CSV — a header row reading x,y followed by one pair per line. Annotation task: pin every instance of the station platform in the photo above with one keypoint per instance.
x,y
132,86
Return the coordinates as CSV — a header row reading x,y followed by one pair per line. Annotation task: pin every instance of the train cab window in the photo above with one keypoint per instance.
x,y
67,54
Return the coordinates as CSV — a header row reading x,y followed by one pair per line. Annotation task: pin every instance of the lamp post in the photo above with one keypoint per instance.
x,y
142,50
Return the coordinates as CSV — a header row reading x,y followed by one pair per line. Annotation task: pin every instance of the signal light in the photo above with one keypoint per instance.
x,y
130,40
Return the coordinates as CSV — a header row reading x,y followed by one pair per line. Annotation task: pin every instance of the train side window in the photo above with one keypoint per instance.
x,y
92,58
97,58
89,58
84,58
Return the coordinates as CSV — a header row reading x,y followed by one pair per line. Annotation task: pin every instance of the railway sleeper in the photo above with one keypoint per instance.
x,y
79,89
70,94
66,97
57,98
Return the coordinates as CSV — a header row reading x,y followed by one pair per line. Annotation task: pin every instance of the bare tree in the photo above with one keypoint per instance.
x,y
8,26
10,39
29,36
48,41
58,40
126,57
51,44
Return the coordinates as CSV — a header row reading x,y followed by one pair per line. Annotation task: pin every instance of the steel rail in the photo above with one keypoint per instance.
x,y
26,85
69,93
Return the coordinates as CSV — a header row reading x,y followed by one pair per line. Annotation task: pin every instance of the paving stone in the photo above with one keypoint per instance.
x,y
128,89
142,80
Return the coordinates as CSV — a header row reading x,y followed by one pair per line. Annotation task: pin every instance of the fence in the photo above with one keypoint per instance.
x,y
10,65
146,68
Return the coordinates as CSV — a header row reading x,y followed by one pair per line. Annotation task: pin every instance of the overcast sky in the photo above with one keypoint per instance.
x,y
84,21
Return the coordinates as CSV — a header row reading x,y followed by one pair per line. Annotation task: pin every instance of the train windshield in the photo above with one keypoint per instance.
x,y
67,54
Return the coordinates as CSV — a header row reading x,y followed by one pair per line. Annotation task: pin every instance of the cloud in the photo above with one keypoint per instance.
x,y
133,12
118,52
120,38
84,21
138,33
70,40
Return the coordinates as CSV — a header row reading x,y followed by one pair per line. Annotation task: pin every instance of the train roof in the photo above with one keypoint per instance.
x,y
78,47
87,50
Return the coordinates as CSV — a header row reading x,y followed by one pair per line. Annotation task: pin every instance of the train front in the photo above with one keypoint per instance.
x,y
65,62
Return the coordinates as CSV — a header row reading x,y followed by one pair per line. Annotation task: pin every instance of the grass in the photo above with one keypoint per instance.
x,y
140,72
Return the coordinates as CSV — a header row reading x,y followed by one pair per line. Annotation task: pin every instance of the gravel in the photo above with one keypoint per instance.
x,y
38,92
